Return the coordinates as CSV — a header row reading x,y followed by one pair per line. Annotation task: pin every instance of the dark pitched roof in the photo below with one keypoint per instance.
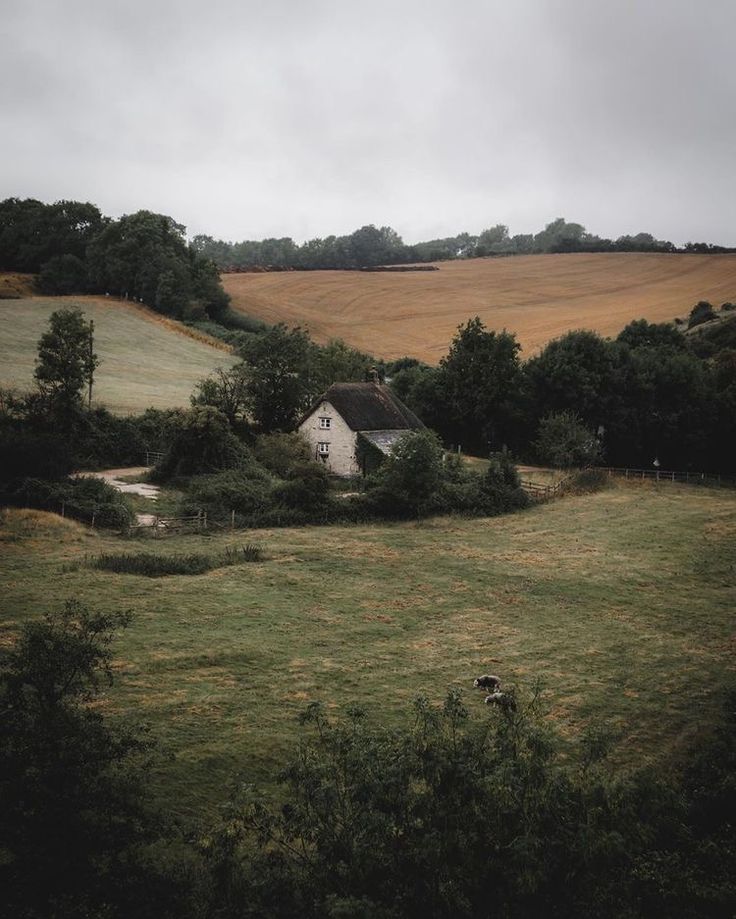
x,y
371,407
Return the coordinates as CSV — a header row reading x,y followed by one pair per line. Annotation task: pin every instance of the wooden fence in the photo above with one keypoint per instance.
x,y
153,458
164,526
538,492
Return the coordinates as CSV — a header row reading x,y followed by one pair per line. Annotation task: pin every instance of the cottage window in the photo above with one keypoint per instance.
x,y
323,449
325,423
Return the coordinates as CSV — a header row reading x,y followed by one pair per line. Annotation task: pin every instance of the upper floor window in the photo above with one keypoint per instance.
x,y
325,423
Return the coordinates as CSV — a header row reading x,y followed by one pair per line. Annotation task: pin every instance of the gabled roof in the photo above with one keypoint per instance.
x,y
370,407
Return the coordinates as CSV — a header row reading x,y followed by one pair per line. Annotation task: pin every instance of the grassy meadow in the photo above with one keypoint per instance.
x,y
145,360
538,297
621,603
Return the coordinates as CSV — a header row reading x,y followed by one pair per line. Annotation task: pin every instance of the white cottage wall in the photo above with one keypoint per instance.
x,y
341,440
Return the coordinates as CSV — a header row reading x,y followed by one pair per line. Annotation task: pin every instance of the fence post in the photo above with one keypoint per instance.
x,y
94,514
63,508
232,520
205,520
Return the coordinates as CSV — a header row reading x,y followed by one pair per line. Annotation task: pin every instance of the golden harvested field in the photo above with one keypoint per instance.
x,y
145,359
538,297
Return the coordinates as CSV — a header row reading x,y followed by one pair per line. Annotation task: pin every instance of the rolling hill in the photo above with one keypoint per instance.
x,y
145,360
538,297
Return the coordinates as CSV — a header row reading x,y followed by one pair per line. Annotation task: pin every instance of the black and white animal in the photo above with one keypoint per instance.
x,y
502,699
487,681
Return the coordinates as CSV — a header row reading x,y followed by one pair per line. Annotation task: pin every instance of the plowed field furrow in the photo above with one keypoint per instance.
x,y
538,297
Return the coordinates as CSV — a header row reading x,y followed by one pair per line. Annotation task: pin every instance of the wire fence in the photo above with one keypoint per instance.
x,y
668,475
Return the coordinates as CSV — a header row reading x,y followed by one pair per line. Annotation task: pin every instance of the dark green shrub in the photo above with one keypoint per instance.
x,y
500,487
84,498
584,481
153,566
306,488
26,454
279,452
564,441
410,478
275,517
240,322
204,443
243,491
700,313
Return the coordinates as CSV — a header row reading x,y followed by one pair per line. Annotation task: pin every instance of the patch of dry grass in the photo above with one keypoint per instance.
x,y
538,297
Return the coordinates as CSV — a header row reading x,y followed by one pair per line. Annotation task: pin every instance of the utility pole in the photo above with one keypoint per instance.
x,y
91,363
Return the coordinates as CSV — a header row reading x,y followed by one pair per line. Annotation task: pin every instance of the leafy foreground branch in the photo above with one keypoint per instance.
x,y
461,817
447,816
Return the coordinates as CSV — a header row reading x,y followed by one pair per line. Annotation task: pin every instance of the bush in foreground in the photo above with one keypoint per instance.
x,y
465,817
76,819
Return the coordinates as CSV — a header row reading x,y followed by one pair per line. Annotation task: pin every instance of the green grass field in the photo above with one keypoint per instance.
x,y
145,361
621,603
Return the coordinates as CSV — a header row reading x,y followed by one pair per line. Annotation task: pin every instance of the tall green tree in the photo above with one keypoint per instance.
x,y
281,380
227,391
479,377
575,372
66,360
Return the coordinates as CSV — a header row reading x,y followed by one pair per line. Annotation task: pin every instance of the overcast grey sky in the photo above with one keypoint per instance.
x,y
249,119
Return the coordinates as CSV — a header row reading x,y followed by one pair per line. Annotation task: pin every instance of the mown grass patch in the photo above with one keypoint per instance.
x,y
145,359
620,602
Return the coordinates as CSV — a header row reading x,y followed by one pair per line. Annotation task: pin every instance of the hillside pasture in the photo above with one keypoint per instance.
x,y
538,297
145,360
621,603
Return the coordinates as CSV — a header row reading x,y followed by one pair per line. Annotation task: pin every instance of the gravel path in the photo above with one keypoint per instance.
x,y
114,477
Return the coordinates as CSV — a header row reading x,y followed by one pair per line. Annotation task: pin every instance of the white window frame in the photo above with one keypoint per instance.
x,y
325,423
323,449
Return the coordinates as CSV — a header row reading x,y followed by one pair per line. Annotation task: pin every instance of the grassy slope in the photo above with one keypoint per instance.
x,y
622,603
145,360
539,297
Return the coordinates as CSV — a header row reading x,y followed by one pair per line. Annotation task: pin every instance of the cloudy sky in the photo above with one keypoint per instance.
x,y
247,119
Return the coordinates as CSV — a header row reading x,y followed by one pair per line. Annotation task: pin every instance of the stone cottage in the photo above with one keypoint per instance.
x,y
353,422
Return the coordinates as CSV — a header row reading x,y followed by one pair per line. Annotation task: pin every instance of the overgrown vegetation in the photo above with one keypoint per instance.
x,y
84,498
452,814
154,565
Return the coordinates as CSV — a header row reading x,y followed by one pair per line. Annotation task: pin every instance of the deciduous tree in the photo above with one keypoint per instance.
x,y
66,360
